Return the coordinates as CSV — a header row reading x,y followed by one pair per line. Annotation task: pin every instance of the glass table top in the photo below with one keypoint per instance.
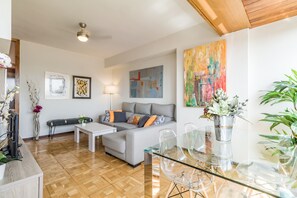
x,y
206,154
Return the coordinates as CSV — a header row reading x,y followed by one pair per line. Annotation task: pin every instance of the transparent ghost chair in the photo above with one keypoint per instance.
x,y
198,145
177,173
277,178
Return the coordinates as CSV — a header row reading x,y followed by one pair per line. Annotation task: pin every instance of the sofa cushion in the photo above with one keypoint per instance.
x,y
129,114
115,141
128,107
166,110
143,120
107,116
130,119
150,121
159,120
143,108
107,123
120,117
124,126
136,119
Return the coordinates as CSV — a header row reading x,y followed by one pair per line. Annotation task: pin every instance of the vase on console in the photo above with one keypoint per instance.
x,y
223,112
36,108
36,125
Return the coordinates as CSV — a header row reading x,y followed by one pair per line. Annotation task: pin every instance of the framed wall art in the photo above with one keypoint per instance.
x,y
204,72
147,83
57,86
81,87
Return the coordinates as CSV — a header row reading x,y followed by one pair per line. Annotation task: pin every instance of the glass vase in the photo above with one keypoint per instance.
x,y
3,129
36,125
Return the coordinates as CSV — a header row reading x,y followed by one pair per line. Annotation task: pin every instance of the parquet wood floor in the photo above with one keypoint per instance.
x,y
71,170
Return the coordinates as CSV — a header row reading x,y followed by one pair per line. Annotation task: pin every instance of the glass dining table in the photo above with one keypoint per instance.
x,y
216,159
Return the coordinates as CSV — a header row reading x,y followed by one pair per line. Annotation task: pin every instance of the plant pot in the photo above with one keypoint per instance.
x,y
223,127
2,170
83,124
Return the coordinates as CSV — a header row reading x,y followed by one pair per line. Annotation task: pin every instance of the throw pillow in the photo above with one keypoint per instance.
x,y
107,116
159,120
143,120
150,121
130,119
111,115
120,117
136,120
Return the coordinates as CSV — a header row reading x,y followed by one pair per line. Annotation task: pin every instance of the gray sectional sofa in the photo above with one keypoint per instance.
x,y
130,141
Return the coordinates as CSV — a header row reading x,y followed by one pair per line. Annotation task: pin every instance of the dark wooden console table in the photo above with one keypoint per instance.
x,y
52,124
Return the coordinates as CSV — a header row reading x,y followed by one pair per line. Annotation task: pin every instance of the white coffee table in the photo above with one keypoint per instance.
x,y
93,129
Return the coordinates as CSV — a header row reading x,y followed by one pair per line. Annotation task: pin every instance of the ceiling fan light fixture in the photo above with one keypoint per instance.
x,y
82,35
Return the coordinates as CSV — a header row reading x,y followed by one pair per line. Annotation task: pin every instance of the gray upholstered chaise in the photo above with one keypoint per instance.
x,y
129,142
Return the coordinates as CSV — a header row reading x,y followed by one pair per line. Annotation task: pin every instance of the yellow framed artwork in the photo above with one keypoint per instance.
x,y
81,87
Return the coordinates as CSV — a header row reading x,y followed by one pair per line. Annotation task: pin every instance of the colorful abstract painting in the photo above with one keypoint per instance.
x,y
147,83
81,87
204,72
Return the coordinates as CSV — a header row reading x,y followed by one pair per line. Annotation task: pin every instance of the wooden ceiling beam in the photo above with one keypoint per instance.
x,y
227,16
223,16
262,12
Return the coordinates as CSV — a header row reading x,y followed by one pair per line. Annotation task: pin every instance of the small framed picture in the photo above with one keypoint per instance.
x,y
81,87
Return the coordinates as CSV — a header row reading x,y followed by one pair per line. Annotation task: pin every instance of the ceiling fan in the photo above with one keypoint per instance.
x,y
83,35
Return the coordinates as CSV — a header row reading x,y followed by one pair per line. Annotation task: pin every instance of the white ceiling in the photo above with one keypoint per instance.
x,y
131,23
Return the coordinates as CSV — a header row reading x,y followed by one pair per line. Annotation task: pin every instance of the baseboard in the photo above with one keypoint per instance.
x,y
46,136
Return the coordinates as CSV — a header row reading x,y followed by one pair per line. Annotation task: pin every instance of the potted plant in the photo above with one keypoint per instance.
x,y
223,111
4,110
36,108
284,141
82,119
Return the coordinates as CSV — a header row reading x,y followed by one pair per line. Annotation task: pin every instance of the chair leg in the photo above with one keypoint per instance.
x,y
170,189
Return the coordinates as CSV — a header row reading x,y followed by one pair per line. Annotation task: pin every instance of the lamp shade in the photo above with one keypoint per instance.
x,y
110,89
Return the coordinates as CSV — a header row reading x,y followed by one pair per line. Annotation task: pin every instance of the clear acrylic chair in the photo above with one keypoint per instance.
x,y
172,170
179,174
198,145
269,176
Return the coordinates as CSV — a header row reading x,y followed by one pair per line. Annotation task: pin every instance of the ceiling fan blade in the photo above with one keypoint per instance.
x,y
103,37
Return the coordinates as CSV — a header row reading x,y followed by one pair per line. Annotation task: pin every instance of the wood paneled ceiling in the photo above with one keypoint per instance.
x,y
227,16
261,12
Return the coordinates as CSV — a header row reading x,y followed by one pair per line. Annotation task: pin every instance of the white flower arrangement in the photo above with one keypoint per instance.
x,y
222,106
5,60
4,105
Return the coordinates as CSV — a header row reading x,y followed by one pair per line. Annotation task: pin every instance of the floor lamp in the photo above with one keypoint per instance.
x,y
110,89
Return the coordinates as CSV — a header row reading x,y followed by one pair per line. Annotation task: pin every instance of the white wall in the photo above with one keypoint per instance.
x,y
272,53
255,58
120,77
5,19
237,69
5,25
36,59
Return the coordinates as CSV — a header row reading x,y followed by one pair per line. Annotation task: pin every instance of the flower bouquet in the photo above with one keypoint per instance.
x,y
223,110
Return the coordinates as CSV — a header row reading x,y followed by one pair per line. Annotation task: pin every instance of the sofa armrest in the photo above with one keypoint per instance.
x,y
139,139
101,118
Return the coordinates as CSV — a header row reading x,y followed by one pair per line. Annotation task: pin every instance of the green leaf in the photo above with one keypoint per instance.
x,y
294,127
272,137
2,156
